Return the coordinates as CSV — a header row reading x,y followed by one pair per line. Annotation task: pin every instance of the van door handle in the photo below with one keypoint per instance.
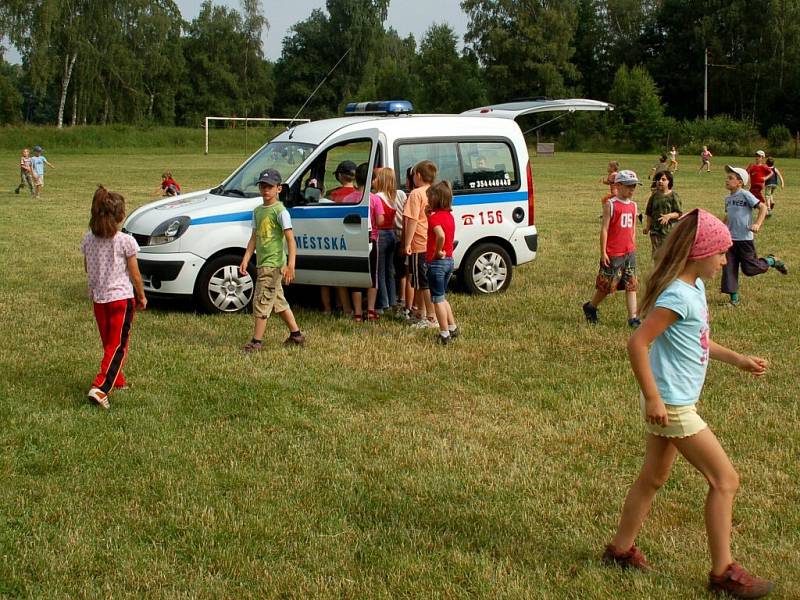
x,y
352,220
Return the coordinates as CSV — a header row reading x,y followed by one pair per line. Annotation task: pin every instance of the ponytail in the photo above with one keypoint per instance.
x,y
108,212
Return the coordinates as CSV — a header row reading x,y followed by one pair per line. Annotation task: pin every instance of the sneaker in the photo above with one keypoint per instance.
x,y
98,396
634,322
454,333
733,303
779,265
590,312
295,340
252,346
632,559
442,340
425,324
737,582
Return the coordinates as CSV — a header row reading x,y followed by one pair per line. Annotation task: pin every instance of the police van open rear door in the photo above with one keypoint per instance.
x,y
512,110
332,235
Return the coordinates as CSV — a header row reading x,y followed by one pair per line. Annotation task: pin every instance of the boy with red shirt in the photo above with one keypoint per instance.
x,y
617,250
759,173
439,256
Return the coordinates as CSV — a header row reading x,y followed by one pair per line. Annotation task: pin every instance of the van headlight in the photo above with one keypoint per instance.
x,y
170,230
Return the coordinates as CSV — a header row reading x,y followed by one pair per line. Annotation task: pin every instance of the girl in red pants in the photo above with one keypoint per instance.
x,y
110,262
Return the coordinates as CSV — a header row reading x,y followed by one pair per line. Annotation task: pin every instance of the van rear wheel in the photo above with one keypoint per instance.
x,y
221,288
486,269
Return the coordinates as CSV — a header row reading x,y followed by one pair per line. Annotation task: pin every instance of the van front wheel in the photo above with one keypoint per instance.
x,y
221,288
486,269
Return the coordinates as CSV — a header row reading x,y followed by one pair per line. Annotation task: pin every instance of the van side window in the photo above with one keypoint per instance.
x,y
468,166
331,177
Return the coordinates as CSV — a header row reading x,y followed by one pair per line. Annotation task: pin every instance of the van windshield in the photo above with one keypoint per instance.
x,y
283,156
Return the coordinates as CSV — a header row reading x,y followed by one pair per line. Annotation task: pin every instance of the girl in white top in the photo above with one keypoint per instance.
x,y
671,376
114,282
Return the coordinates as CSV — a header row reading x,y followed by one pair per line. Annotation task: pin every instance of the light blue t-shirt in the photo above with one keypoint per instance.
x,y
679,356
739,206
37,164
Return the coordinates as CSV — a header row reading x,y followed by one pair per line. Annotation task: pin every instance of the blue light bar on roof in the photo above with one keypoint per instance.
x,y
383,107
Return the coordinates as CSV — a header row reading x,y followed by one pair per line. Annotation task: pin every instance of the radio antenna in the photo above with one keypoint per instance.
x,y
316,89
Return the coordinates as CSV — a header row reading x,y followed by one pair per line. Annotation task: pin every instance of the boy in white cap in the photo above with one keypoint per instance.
x,y
617,250
739,205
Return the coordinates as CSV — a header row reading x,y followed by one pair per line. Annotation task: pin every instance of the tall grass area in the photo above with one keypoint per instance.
x,y
129,139
372,463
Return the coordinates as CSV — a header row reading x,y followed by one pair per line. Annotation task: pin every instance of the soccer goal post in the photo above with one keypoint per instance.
x,y
246,120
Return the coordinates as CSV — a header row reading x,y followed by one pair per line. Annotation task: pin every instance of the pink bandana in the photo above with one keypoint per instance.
x,y
712,236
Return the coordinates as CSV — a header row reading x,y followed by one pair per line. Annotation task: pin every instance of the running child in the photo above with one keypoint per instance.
x,y
38,162
759,173
663,207
115,286
613,167
25,172
617,250
439,256
271,225
705,160
671,376
771,184
739,207
673,159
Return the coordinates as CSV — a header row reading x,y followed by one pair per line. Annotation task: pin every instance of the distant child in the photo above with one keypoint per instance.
x,y
271,225
671,376
739,207
705,160
673,159
415,226
659,168
617,250
439,256
759,173
169,187
376,220
384,184
38,162
771,184
611,173
109,259
25,172
663,207
345,174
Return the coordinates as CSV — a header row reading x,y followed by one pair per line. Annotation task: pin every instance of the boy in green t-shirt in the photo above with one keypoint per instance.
x,y
271,224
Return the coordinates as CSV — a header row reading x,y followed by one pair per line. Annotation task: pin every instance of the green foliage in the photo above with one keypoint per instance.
x,y
722,135
778,136
639,112
10,98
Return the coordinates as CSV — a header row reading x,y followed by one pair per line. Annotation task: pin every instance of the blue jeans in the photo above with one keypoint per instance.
x,y
387,291
439,272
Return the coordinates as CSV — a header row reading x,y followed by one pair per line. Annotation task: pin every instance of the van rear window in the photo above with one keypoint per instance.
x,y
470,166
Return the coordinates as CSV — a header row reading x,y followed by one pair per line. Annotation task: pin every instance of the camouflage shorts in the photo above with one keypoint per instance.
x,y
620,274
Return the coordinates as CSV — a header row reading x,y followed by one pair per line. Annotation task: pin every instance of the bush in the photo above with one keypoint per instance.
x,y
721,134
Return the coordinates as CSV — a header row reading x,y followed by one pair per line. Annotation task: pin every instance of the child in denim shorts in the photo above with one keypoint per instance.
x,y
271,224
439,256
617,250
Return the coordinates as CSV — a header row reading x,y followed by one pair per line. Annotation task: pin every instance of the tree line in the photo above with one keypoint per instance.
x,y
140,62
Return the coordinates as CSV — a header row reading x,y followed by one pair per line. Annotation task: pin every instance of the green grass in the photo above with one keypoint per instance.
x,y
372,464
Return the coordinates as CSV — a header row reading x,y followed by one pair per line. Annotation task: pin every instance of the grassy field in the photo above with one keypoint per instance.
x,y
372,463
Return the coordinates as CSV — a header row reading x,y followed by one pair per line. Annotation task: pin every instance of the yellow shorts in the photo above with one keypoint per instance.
x,y
268,297
683,421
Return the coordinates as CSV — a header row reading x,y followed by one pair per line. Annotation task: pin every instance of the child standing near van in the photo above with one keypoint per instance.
x,y
739,207
415,226
671,376
617,250
439,256
384,184
25,172
109,259
271,225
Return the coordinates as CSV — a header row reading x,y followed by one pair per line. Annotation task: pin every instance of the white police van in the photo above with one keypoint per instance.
x,y
192,244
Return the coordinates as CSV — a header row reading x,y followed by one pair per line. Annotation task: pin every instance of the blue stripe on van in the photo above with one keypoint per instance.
x,y
229,218
490,198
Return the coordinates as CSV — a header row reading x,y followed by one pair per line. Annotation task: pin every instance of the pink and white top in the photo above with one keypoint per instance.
x,y
107,266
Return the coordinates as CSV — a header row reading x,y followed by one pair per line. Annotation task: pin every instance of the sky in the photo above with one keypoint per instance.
x,y
405,16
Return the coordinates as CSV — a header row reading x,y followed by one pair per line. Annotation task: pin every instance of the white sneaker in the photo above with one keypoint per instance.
x,y
425,324
99,396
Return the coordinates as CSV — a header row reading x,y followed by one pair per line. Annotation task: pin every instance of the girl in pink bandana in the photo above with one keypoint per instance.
x,y
669,354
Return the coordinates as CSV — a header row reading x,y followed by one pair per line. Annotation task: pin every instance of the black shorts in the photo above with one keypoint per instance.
x,y
418,271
